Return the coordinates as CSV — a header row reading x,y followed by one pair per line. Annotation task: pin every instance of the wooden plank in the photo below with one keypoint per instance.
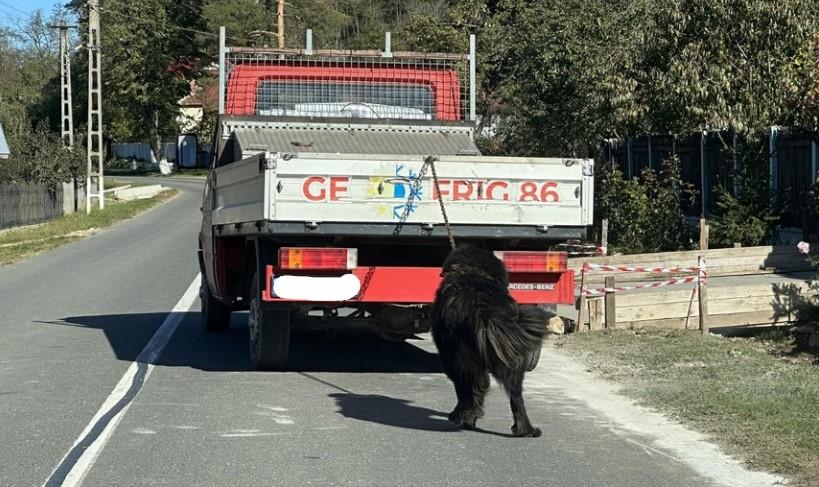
x,y
715,255
691,255
719,267
732,320
658,310
685,255
682,294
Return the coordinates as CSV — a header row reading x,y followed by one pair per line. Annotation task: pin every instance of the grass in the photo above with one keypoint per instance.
x,y
757,397
113,171
19,243
115,183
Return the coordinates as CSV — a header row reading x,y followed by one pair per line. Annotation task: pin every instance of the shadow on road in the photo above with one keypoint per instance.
x,y
400,413
343,351
390,411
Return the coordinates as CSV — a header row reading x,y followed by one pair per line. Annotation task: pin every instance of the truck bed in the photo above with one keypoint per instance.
x,y
367,194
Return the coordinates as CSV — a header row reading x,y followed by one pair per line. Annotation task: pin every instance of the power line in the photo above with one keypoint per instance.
x,y
169,25
28,14
9,14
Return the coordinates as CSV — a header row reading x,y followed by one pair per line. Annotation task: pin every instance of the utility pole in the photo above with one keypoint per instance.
x,y
66,118
94,108
280,18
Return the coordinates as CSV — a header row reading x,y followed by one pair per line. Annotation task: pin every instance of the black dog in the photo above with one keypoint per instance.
x,y
479,329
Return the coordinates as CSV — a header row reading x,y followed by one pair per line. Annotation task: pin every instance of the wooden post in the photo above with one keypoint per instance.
x,y
280,24
581,312
604,236
611,321
703,234
596,313
702,290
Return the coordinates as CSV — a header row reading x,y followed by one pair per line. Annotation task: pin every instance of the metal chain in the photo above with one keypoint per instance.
x,y
429,163
414,189
366,284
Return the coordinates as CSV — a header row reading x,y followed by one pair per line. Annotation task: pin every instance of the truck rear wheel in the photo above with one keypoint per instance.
x,y
215,314
269,333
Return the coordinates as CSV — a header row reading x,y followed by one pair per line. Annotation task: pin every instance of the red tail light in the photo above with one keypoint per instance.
x,y
529,261
299,258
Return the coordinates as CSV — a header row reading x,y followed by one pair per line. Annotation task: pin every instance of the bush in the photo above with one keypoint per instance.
x,y
750,216
647,215
38,156
741,219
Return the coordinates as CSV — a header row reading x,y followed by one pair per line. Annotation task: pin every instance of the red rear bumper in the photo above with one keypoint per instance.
x,y
417,285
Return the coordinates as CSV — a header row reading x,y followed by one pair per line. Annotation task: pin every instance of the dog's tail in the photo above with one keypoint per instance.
x,y
513,342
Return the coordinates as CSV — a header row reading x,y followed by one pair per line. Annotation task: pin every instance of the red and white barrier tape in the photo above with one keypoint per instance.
x,y
672,282
701,277
655,270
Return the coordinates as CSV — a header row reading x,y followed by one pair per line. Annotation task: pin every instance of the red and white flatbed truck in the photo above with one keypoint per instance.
x,y
317,160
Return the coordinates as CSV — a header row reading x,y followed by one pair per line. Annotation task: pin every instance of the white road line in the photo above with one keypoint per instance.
x,y
79,459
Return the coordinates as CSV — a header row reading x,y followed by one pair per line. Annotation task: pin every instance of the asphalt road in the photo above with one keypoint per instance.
x,y
356,410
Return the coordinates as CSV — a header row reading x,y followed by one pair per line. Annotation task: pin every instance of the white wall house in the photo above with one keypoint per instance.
x,y
4,146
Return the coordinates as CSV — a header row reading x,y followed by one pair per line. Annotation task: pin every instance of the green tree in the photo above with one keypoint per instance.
x,y
28,63
558,76
718,64
238,17
149,56
802,83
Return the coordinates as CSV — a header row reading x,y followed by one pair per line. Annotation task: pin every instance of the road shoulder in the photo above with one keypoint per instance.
x,y
638,424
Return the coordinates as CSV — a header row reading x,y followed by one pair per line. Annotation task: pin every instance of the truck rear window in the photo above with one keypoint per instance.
x,y
339,99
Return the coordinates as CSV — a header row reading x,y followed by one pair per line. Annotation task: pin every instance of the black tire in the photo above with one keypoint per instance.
x,y
269,333
215,314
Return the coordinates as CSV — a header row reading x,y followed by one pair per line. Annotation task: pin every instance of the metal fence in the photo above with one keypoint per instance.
x,y
142,151
346,84
28,203
793,162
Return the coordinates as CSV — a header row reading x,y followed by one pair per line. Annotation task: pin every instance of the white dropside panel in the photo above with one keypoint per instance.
x,y
241,191
476,190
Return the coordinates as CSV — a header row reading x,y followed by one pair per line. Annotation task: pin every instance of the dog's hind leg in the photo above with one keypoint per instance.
x,y
479,390
471,388
513,382
471,385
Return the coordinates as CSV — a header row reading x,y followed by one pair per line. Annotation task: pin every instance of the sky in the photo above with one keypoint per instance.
x,y
12,11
